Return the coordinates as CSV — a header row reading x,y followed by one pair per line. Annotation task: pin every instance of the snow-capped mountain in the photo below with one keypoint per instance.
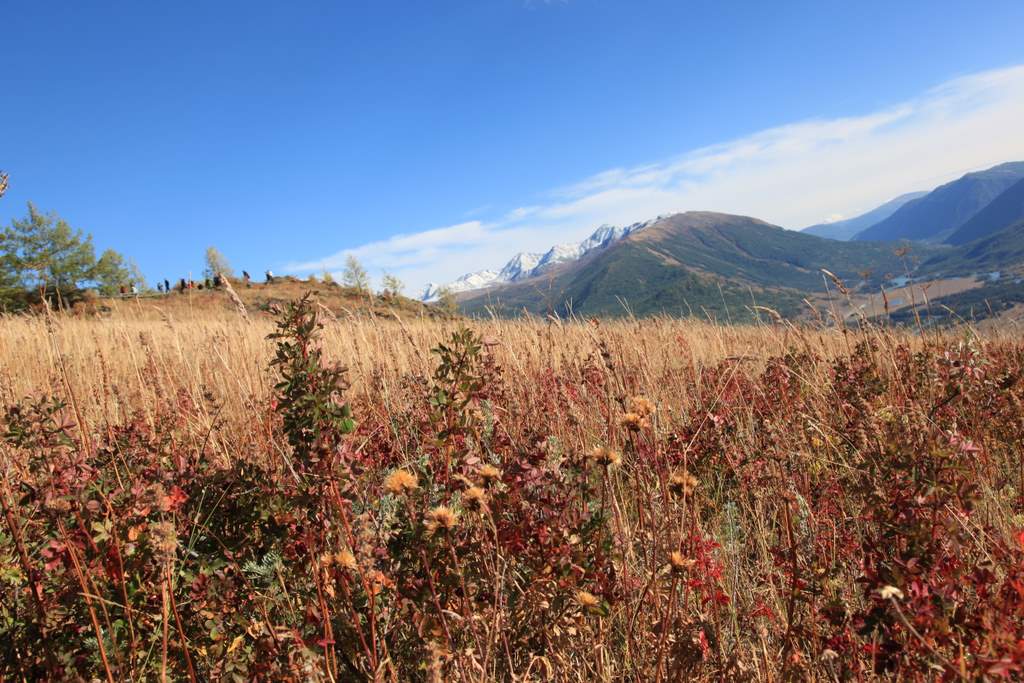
x,y
525,264
481,278
520,266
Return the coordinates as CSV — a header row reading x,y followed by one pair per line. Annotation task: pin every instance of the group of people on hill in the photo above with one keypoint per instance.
x,y
185,284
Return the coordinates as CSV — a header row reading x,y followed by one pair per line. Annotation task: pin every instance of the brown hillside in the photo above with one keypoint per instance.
x,y
259,298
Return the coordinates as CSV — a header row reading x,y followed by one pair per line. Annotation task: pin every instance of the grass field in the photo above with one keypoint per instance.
x,y
186,498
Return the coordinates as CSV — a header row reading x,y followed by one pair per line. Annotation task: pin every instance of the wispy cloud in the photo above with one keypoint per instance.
x,y
792,175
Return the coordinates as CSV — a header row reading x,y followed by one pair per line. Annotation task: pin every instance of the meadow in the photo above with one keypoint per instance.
x,y
205,496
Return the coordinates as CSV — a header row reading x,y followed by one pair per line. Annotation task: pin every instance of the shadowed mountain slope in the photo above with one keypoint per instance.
x,y
938,214
1005,210
846,229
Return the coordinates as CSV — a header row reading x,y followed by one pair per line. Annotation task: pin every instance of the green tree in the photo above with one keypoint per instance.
x,y
355,275
217,264
43,253
110,273
392,285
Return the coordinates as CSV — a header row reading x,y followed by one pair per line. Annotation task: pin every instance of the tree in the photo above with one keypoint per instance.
x,y
42,256
446,301
43,252
135,275
217,264
110,273
392,285
355,275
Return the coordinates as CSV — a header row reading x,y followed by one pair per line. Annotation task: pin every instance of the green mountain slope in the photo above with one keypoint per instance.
x,y
1006,209
938,214
695,262
1000,251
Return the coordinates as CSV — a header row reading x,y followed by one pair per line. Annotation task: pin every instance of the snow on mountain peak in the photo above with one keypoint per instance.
x,y
520,266
526,264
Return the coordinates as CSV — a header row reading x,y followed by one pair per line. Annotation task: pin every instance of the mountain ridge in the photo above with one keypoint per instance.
x,y
938,214
532,264
1001,212
697,260
845,229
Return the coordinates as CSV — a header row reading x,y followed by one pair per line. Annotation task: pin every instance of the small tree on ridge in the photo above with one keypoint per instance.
x,y
354,275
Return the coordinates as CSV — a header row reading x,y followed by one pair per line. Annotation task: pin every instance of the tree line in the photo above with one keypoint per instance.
x,y
43,258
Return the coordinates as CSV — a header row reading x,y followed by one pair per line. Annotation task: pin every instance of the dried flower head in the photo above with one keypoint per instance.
x,y
441,519
605,457
346,560
678,562
682,483
890,592
401,482
634,422
489,474
641,406
377,581
589,602
165,539
475,499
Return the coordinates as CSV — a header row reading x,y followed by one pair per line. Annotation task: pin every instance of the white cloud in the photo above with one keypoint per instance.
x,y
790,175
403,251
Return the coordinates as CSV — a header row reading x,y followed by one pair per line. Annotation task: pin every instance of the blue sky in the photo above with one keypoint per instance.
x,y
435,138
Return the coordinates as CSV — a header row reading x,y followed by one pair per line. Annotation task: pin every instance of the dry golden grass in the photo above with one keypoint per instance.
x,y
122,365
144,352
742,488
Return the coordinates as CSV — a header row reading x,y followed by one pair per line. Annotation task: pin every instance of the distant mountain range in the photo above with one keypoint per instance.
x,y
695,263
846,229
706,263
937,215
526,265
